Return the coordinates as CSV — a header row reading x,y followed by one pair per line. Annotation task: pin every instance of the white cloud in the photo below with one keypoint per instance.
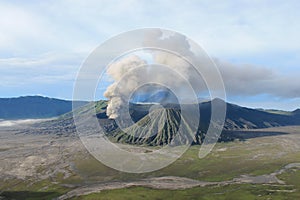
x,y
223,28
45,69
21,29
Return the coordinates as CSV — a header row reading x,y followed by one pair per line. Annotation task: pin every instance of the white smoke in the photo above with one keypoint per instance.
x,y
117,70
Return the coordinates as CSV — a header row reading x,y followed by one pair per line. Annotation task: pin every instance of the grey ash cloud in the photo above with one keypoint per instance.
x,y
249,80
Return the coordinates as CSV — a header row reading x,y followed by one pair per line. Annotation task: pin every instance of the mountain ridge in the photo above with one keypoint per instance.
x,y
33,107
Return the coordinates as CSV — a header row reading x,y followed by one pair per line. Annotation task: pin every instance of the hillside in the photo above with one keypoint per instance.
x,y
32,107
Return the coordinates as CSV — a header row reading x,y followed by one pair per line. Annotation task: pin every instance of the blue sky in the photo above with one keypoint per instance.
x,y
43,43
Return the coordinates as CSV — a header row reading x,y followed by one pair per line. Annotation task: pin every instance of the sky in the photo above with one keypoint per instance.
x,y
256,43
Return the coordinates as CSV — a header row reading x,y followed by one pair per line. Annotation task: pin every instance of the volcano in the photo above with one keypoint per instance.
x,y
160,127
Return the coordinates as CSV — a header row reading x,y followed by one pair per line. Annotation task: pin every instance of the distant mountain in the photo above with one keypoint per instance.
x,y
296,112
238,118
34,107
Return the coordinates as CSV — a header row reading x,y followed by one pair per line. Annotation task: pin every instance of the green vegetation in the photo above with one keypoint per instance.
x,y
236,192
27,189
227,161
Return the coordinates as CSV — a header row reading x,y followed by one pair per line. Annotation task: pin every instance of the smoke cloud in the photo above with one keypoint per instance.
x,y
249,80
124,69
116,71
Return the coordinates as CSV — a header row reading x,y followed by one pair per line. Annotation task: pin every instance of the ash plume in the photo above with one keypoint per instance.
x,y
115,95
124,69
